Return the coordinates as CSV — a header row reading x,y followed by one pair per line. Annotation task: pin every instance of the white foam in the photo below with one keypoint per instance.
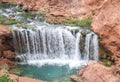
x,y
58,62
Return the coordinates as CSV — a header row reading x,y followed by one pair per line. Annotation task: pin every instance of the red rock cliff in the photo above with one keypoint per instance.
x,y
107,25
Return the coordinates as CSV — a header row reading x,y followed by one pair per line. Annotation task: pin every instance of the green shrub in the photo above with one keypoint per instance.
x,y
77,22
8,22
4,67
6,78
85,23
17,71
5,21
107,62
70,22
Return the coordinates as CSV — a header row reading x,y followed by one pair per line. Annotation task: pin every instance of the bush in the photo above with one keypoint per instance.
x,y
77,22
6,78
5,21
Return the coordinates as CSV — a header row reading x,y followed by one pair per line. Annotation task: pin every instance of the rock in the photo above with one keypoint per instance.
x,y
5,39
24,79
75,78
96,72
8,54
3,71
5,61
106,24
4,30
20,79
6,45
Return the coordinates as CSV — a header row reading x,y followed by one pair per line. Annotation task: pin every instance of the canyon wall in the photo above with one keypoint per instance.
x,y
106,24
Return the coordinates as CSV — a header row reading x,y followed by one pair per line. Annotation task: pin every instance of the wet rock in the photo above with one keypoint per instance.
x,y
84,32
96,72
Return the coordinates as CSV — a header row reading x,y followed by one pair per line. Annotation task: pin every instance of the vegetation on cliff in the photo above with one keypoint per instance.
x,y
6,78
77,22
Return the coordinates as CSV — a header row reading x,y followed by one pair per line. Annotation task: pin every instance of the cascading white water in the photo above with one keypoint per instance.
x,y
55,46
59,48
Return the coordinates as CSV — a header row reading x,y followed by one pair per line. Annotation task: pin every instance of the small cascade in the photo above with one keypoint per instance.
x,y
45,51
54,45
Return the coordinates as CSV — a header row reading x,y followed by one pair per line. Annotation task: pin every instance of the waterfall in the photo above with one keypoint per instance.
x,y
52,45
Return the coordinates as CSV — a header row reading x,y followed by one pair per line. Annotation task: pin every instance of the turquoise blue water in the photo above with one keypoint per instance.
x,y
49,73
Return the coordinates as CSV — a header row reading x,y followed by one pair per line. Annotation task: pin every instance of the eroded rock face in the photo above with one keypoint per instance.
x,y
5,38
6,47
96,72
107,25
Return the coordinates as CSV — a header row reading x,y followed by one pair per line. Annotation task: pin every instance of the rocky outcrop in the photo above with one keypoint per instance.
x,y
24,79
20,79
96,72
58,10
107,25
5,38
6,47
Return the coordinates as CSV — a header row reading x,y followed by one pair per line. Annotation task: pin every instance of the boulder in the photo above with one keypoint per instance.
x,y
75,78
96,72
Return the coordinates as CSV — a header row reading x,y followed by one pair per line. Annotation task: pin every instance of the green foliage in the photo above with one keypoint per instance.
x,y
105,55
107,62
70,22
6,78
6,5
43,13
77,22
85,23
2,18
16,71
6,21
10,22
4,67
26,15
